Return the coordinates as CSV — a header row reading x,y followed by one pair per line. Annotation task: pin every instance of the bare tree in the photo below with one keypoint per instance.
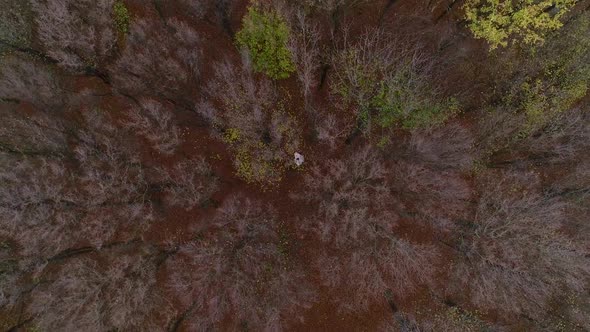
x,y
359,67
16,28
49,212
517,255
68,190
386,84
238,273
29,81
355,214
556,151
33,193
262,135
189,183
333,9
239,91
573,186
357,180
570,313
561,141
154,122
440,198
502,143
495,129
305,49
109,168
448,147
33,133
197,8
160,59
78,34
49,205
208,112
116,291
438,318
379,262
331,129
334,5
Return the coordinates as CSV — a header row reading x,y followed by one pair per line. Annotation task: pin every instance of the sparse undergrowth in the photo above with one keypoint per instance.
x,y
259,129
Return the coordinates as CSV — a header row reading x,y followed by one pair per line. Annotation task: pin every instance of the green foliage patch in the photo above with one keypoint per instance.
x,y
265,36
560,78
122,17
397,103
390,95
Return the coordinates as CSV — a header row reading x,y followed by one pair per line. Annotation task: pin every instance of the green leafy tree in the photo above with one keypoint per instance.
x,y
389,86
122,17
557,80
400,100
265,36
501,22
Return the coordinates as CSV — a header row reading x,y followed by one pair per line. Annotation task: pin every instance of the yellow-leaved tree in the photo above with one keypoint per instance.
x,y
501,22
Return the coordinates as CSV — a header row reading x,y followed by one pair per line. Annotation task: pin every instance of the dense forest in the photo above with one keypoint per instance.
x,y
295,165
